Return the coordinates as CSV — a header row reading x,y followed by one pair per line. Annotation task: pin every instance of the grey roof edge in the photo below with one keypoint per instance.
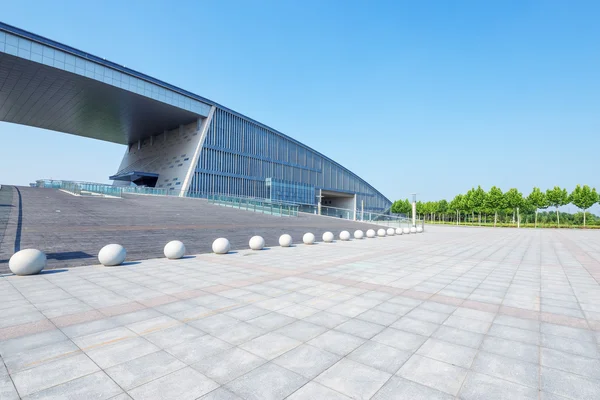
x,y
110,64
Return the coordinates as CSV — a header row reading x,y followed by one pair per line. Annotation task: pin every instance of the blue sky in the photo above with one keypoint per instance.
x,y
430,97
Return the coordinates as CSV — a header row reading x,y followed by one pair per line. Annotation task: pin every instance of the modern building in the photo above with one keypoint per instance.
x,y
175,140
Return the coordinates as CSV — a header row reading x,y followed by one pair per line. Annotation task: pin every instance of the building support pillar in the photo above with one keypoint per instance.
x,y
202,132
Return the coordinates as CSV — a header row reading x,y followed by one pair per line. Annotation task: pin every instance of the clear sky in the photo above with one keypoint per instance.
x,y
430,97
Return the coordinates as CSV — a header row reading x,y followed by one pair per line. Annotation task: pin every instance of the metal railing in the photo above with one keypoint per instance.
x,y
255,205
149,191
388,220
80,188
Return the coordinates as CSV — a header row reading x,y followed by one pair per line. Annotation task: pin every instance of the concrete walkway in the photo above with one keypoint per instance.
x,y
451,313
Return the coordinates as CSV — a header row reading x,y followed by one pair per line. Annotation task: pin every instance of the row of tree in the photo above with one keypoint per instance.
x,y
478,202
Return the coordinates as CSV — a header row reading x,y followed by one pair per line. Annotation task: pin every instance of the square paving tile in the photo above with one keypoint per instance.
x,y
267,382
450,353
380,356
480,386
144,369
195,350
512,349
301,330
270,345
53,373
313,390
417,326
94,386
359,328
225,366
353,379
568,385
458,336
509,369
399,339
402,389
307,360
434,374
184,384
121,351
336,342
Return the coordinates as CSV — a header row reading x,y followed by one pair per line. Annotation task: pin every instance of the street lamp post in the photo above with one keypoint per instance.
x,y
414,210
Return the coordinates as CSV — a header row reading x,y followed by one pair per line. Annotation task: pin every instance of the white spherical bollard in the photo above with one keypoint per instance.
x,y
391,232
358,234
419,229
344,236
370,233
398,231
328,237
381,232
111,255
308,238
221,246
285,240
256,243
413,230
174,250
406,231
27,262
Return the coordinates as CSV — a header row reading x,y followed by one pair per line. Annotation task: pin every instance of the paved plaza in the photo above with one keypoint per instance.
x,y
469,313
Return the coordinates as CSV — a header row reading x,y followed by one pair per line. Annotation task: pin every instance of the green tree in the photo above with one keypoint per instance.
x,y
557,197
495,201
442,207
478,201
401,207
584,198
537,199
468,204
457,205
514,200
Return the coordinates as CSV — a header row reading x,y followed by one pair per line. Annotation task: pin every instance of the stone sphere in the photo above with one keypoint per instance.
x,y
308,238
27,262
256,243
406,231
111,255
328,237
413,230
381,232
344,235
398,231
174,250
221,246
370,233
391,232
419,229
359,234
285,240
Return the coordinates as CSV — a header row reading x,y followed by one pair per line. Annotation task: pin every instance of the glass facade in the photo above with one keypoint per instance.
x,y
243,158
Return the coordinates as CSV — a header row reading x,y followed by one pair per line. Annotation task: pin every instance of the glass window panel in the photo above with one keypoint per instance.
x,y
12,40
24,44
69,58
9,49
24,53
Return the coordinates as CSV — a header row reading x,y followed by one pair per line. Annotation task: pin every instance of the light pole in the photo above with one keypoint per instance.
x,y
319,196
414,210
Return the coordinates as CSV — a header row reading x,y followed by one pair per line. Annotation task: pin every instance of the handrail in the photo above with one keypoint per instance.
x,y
255,205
